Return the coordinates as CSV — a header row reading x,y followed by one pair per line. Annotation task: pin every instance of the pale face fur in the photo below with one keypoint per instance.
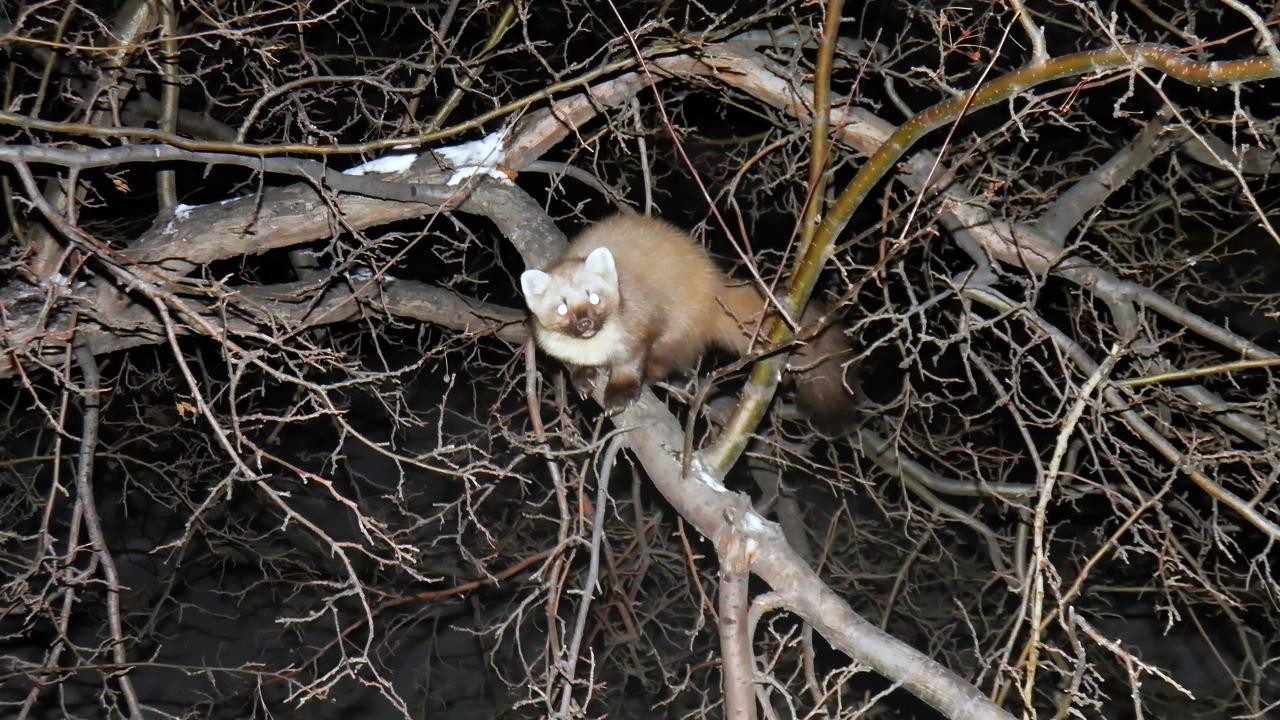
x,y
572,305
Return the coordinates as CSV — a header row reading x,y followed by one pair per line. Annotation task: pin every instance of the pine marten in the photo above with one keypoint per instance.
x,y
639,298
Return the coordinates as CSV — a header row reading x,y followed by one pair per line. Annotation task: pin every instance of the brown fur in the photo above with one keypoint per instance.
x,y
668,305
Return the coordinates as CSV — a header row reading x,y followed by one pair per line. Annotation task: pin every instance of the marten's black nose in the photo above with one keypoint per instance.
x,y
585,326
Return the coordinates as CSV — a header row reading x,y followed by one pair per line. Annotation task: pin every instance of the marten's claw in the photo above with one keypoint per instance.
x,y
620,397
584,380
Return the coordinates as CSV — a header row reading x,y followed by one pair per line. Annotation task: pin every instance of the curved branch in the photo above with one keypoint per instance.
x,y
650,431
97,536
767,373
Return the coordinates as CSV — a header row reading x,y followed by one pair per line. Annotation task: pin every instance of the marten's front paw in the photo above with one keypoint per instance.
x,y
584,380
619,396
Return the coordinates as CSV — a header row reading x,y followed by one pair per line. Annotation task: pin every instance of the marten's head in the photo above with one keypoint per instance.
x,y
576,296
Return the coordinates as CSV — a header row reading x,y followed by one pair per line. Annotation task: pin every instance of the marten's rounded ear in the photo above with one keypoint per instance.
x,y
534,283
600,263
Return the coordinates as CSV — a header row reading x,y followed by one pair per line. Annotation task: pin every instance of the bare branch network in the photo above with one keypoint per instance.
x,y
276,440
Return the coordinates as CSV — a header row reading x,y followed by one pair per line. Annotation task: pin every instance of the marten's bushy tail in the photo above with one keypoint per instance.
x,y
827,392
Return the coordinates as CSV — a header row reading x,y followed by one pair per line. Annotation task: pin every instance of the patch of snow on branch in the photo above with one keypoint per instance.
x,y
463,173
384,164
180,212
753,522
700,471
478,157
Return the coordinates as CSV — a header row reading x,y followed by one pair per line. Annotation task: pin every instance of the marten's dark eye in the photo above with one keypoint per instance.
x,y
594,299
562,309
